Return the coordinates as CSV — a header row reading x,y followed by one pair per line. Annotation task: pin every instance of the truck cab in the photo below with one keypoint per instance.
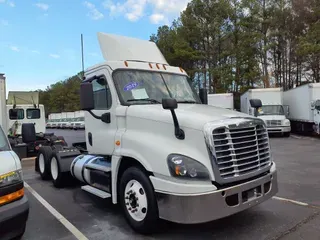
x,y
155,147
168,151
275,118
273,112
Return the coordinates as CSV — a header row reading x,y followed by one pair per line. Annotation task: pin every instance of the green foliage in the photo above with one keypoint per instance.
x,y
62,96
233,45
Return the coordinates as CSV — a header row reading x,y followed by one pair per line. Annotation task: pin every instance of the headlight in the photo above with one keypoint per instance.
x,y
286,122
184,167
10,178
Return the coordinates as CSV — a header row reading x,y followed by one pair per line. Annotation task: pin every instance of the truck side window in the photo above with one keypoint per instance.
x,y
16,114
102,94
33,113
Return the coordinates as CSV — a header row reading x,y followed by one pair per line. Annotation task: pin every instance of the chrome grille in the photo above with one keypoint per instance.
x,y
271,123
241,150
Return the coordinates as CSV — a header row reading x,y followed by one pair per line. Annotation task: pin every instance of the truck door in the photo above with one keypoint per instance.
x,y
100,134
316,118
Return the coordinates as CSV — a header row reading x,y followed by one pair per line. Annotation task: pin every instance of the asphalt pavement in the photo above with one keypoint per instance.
x,y
293,214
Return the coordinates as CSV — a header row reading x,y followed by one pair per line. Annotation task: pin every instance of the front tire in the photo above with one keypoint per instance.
x,y
286,134
138,201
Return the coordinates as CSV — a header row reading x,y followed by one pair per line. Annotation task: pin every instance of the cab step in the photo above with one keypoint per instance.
x,y
96,191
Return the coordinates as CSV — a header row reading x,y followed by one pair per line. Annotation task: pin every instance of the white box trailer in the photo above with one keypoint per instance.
x,y
79,122
272,112
304,105
55,119
223,100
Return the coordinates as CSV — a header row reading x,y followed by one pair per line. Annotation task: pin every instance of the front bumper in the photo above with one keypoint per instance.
x,y
199,208
13,218
279,129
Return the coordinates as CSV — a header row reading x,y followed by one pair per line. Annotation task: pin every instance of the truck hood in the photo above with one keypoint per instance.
x,y
7,162
189,115
272,117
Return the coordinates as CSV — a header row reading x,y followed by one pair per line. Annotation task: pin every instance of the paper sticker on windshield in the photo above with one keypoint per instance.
x,y
130,86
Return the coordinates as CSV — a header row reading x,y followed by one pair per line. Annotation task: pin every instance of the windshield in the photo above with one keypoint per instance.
x,y
271,110
142,87
4,145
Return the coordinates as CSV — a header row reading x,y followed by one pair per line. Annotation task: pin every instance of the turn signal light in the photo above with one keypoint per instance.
x,y
11,197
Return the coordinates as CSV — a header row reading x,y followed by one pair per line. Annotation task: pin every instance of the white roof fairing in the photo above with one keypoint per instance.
x,y
120,48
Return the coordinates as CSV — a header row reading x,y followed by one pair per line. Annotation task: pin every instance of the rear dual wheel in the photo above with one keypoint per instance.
x,y
59,178
43,162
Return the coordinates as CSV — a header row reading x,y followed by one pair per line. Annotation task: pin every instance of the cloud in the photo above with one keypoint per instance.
x,y
134,10
94,13
157,18
56,56
14,48
42,6
10,3
35,51
4,22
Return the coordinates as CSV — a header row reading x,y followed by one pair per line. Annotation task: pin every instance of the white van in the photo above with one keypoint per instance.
x,y
14,206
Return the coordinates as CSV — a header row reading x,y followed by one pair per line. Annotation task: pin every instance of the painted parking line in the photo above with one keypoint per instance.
x,y
79,235
290,200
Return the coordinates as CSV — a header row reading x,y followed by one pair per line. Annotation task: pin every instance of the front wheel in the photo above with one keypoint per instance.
x,y
138,201
286,134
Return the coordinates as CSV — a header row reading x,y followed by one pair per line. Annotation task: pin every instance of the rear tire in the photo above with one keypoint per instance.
x,y
59,178
43,160
138,201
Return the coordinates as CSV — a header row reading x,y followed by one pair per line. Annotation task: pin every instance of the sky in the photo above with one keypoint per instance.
x,y
40,40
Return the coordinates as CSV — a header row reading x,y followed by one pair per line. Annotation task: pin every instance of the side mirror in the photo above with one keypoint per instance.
x,y
255,103
169,103
203,95
86,96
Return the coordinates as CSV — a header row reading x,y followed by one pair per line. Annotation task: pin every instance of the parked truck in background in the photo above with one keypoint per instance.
x,y
14,205
79,122
25,124
24,107
69,119
273,112
304,105
156,148
223,100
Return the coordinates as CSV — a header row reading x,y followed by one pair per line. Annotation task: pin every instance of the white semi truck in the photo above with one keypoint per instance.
x,y
304,105
223,100
24,107
25,123
14,205
156,148
273,111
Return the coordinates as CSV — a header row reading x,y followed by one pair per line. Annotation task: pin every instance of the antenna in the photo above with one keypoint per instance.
x,y
82,56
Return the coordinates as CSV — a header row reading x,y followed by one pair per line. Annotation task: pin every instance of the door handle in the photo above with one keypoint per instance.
x,y
106,117
90,138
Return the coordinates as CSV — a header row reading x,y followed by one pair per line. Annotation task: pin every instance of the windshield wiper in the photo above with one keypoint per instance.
x,y
187,102
144,99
